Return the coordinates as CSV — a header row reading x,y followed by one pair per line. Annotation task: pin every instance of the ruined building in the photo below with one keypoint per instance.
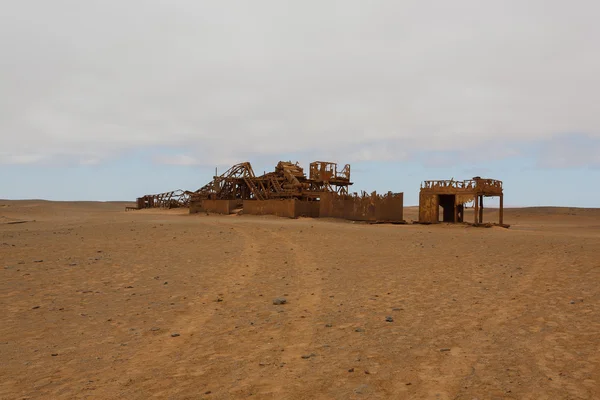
x,y
451,196
285,192
287,181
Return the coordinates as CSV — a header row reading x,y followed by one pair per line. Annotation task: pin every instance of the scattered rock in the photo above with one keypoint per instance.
x,y
362,389
175,334
389,319
279,301
445,349
307,356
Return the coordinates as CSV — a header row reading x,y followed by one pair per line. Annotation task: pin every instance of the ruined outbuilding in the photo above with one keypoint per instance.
x,y
451,196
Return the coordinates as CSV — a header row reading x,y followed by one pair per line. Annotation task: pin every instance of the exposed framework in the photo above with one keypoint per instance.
x,y
288,180
173,199
452,195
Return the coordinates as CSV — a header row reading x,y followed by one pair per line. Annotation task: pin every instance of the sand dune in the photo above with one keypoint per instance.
x,y
102,303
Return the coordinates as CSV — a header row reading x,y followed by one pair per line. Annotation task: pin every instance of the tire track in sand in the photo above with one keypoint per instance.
x,y
245,337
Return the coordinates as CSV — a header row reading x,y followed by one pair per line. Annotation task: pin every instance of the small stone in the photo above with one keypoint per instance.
x,y
35,308
397,309
166,283
351,370
408,384
38,261
175,334
367,372
359,330
279,301
129,287
328,325
208,392
155,329
362,389
54,354
445,349
389,319
307,356
572,301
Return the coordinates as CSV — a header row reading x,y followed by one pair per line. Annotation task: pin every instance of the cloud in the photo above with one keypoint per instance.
x,y
179,159
232,80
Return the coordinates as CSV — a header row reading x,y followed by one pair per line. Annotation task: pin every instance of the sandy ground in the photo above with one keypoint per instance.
x,y
106,304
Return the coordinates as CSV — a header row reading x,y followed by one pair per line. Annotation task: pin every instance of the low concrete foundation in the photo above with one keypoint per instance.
x,y
214,206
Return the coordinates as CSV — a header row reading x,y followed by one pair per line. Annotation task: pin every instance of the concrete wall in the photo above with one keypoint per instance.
x,y
388,208
429,208
213,206
281,208
307,209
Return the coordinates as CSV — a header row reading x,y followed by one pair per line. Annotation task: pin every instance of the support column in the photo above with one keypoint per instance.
x,y
481,209
455,211
476,219
501,217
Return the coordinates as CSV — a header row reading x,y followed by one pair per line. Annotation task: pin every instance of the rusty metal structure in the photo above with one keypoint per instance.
x,y
286,191
452,196
287,181
173,199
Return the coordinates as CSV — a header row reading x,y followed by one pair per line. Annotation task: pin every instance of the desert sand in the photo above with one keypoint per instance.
x,y
101,303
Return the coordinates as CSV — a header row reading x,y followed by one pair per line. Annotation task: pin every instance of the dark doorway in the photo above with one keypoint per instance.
x,y
447,204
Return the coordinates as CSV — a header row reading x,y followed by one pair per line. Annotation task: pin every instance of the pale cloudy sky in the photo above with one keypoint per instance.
x,y
148,96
